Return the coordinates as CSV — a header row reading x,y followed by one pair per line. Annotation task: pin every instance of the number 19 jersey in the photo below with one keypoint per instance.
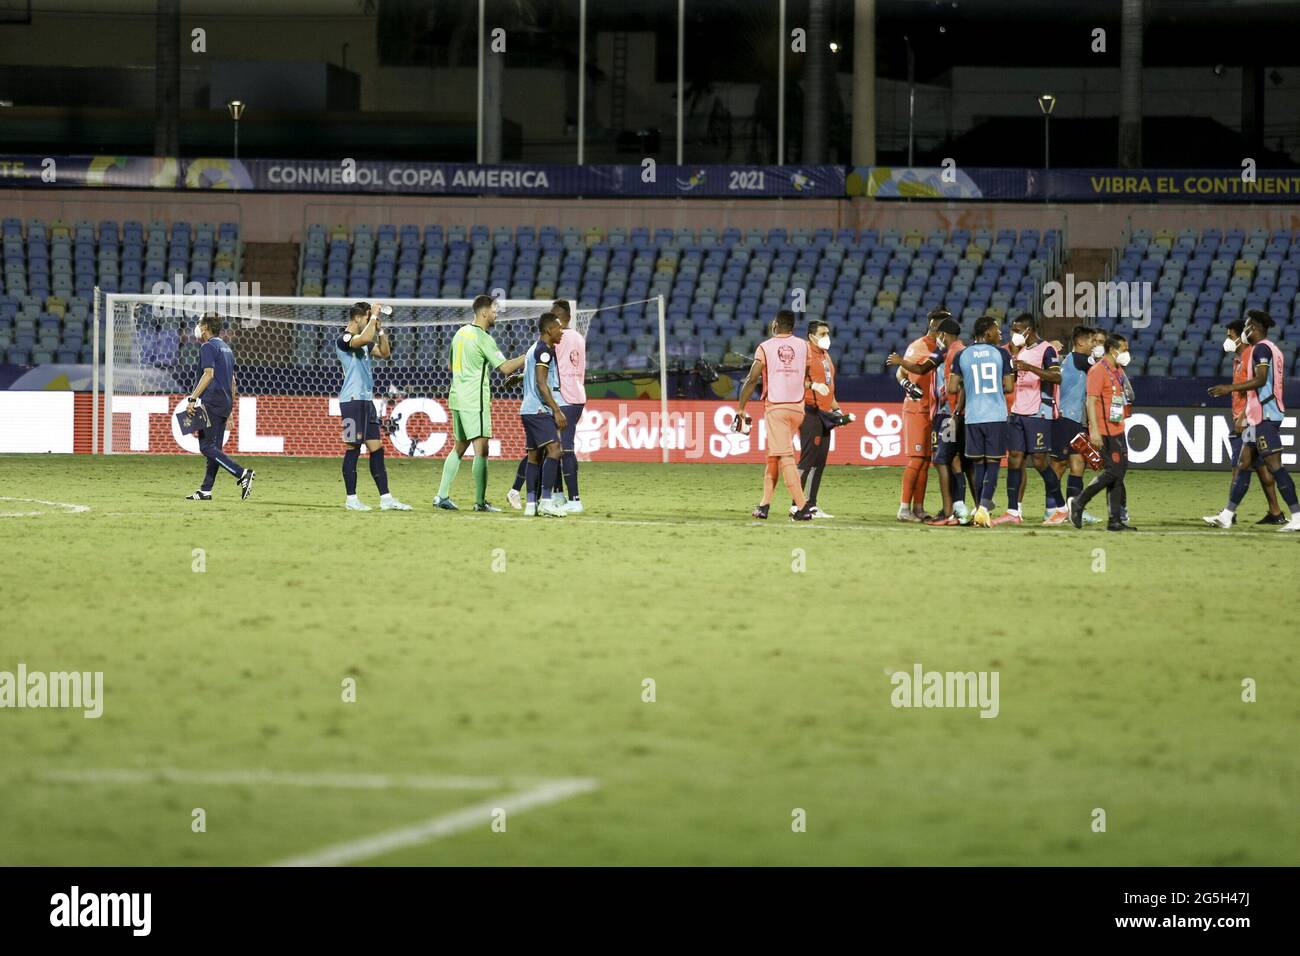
x,y
982,367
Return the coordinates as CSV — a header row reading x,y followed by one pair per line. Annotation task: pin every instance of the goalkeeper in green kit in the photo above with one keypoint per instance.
x,y
473,355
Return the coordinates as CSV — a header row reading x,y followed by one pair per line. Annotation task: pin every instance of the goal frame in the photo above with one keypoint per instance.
x,y
104,430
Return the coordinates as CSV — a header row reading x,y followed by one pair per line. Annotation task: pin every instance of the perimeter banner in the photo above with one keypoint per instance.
x,y
609,430
1194,439
469,179
949,182
80,172
1191,439
416,178
1075,185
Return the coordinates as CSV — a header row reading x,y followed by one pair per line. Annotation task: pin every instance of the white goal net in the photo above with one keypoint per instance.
x,y
288,374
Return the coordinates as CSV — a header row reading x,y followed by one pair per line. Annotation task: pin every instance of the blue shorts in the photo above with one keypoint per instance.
x,y
539,430
571,415
1268,440
1029,434
1063,432
360,421
986,439
1234,448
944,433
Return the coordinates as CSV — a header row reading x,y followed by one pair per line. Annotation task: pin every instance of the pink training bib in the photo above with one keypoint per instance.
x,y
571,362
1029,387
1273,389
785,365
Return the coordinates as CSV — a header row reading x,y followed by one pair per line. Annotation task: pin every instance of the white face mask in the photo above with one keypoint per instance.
x,y
1098,351
1123,358
824,342
1229,345
1017,339
198,331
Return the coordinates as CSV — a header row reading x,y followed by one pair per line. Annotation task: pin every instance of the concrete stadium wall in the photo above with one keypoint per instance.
x,y
275,217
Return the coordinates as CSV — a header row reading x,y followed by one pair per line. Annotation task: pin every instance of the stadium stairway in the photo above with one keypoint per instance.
x,y
273,265
1087,265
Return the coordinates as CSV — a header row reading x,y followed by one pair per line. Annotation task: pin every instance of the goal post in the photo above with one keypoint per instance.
x,y
287,366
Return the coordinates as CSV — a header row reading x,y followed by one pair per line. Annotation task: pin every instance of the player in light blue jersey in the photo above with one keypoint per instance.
x,y
543,419
1086,347
362,341
986,378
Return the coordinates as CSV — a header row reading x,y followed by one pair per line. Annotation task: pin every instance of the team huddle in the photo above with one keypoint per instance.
x,y
966,408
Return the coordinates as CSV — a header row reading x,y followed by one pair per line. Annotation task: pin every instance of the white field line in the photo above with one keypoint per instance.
x,y
436,828
535,793
899,528
67,508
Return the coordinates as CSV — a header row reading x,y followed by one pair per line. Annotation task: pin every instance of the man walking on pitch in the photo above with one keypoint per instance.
x,y
821,414
216,389
474,355
571,361
782,363
364,339
1107,408
982,378
1265,411
543,419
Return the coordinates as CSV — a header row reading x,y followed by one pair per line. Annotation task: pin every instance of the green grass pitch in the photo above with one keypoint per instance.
x,y
1120,689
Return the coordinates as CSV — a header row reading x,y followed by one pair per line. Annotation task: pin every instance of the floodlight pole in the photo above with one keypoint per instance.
x,y
1047,142
236,108
1047,103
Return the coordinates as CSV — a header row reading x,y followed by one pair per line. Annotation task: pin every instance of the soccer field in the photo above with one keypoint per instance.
x,y
499,663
